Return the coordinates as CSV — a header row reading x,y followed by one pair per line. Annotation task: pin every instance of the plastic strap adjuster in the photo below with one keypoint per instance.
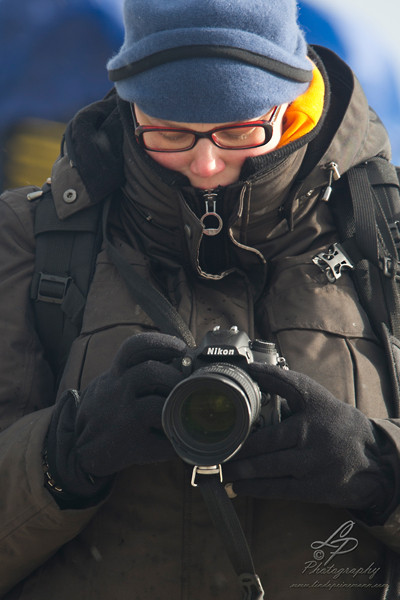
x,y
52,288
391,268
251,586
395,231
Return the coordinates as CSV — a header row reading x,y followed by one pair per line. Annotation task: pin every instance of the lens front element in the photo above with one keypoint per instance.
x,y
207,416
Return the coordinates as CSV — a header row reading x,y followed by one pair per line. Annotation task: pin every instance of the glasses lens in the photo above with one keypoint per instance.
x,y
243,137
236,138
163,140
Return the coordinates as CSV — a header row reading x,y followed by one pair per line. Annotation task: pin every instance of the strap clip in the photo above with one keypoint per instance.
x,y
333,261
211,470
395,231
391,268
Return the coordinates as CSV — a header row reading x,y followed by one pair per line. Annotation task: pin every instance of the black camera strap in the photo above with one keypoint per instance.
x,y
154,304
227,523
219,505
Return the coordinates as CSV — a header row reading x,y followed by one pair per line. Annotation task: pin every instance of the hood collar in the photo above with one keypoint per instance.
x,y
352,132
348,134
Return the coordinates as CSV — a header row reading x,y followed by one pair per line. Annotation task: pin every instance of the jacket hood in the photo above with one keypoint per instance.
x,y
274,190
351,133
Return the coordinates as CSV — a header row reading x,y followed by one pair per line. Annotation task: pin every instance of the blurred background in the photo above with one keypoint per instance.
x,y
53,55
365,33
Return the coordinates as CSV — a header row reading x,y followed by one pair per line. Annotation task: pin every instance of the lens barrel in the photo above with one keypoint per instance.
x,y
209,415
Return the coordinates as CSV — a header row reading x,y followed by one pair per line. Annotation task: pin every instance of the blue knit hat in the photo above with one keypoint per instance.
x,y
210,61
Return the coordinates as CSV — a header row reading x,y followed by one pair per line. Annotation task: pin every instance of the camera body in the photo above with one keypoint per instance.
x,y
209,414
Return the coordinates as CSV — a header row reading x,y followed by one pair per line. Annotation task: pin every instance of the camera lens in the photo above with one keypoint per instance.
x,y
209,415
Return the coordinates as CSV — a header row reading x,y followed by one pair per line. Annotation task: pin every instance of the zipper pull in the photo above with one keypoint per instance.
x,y
215,223
334,174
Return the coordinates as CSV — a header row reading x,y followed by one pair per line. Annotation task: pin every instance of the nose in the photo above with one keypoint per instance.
x,y
206,160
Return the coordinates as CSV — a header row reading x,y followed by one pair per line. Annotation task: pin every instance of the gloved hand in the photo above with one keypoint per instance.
x,y
325,452
117,422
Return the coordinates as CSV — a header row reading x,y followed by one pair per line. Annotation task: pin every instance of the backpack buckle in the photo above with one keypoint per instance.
x,y
52,288
395,231
391,268
333,261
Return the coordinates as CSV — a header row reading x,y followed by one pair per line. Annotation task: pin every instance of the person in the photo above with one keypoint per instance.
x,y
212,153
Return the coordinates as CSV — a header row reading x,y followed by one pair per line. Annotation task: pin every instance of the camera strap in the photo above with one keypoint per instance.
x,y
227,523
218,503
153,302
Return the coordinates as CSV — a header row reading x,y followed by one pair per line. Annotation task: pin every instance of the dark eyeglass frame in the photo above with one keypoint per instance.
x,y
267,125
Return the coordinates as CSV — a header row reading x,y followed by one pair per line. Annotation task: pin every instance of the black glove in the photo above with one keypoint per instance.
x,y
117,422
325,452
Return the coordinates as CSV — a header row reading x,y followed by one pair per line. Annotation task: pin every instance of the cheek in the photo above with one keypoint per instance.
x,y
174,161
236,158
259,151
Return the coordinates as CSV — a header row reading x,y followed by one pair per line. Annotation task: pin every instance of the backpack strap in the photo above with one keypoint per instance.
x,y
376,205
369,233
66,253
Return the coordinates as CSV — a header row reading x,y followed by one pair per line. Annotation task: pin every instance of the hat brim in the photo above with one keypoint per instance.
x,y
204,90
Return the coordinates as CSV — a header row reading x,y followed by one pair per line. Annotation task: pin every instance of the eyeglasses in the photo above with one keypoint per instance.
x,y
238,136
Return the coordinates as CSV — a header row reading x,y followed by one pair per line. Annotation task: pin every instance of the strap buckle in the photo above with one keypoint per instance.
x,y
333,261
391,268
52,288
251,586
395,231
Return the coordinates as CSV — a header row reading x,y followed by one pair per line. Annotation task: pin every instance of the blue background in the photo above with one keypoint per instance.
x,y
54,54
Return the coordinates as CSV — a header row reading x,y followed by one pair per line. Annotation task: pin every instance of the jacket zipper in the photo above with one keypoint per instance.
x,y
211,220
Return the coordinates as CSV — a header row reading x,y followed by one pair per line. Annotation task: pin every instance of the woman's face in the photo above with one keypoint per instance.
x,y
207,166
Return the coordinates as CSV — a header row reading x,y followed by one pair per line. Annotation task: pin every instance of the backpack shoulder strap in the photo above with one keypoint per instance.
x,y
368,228
65,259
365,205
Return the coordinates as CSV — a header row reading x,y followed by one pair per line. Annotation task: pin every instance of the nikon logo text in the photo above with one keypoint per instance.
x,y
217,351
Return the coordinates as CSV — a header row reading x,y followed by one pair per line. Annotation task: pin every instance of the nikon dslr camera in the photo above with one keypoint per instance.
x,y
209,415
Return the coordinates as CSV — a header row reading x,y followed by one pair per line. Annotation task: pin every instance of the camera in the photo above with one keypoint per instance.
x,y
209,414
